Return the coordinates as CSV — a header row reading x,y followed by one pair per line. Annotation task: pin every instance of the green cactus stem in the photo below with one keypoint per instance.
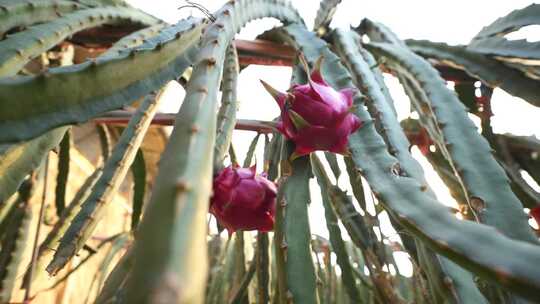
x,y
332,160
360,63
105,141
109,81
490,40
134,39
226,118
18,160
324,15
138,170
179,200
99,276
338,245
470,152
20,48
492,72
294,198
239,267
13,244
358,231
251,151
378,32
511,22
116,279
114,172
63,172
16,13
263,267
419,213
219,284
242,290
49,245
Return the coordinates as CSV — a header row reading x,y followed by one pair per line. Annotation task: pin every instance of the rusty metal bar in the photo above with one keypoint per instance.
x,y
122,117
259,52
264,52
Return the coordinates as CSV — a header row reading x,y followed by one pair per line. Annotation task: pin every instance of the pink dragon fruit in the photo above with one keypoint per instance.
x,y
243,200
315,116
535,214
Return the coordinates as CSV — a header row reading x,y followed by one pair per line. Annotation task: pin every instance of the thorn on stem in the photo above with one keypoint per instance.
x,y
194,128
477,204
202,90
211,61
182,186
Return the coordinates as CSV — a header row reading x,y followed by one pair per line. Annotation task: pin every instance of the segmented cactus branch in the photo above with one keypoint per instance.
x,y
523,190
50,244
336,240
15,236
263,267
63,171
18,160
24,13
226,117
105,140
378,32
13,246
220,280
20,48
138,170
511,22
114,172
326,11
490,71
294,198
360,64
179,200
419,213
359,232
116,279
109,81
470,152
134,39
490,40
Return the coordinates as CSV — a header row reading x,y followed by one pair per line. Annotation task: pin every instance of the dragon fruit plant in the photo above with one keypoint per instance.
x,y
144,221
243,199
315,116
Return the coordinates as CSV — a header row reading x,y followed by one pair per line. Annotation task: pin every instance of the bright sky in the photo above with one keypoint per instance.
x,y
454,22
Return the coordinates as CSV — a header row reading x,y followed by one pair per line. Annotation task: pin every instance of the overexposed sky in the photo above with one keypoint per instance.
x,y
454,22
451,21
